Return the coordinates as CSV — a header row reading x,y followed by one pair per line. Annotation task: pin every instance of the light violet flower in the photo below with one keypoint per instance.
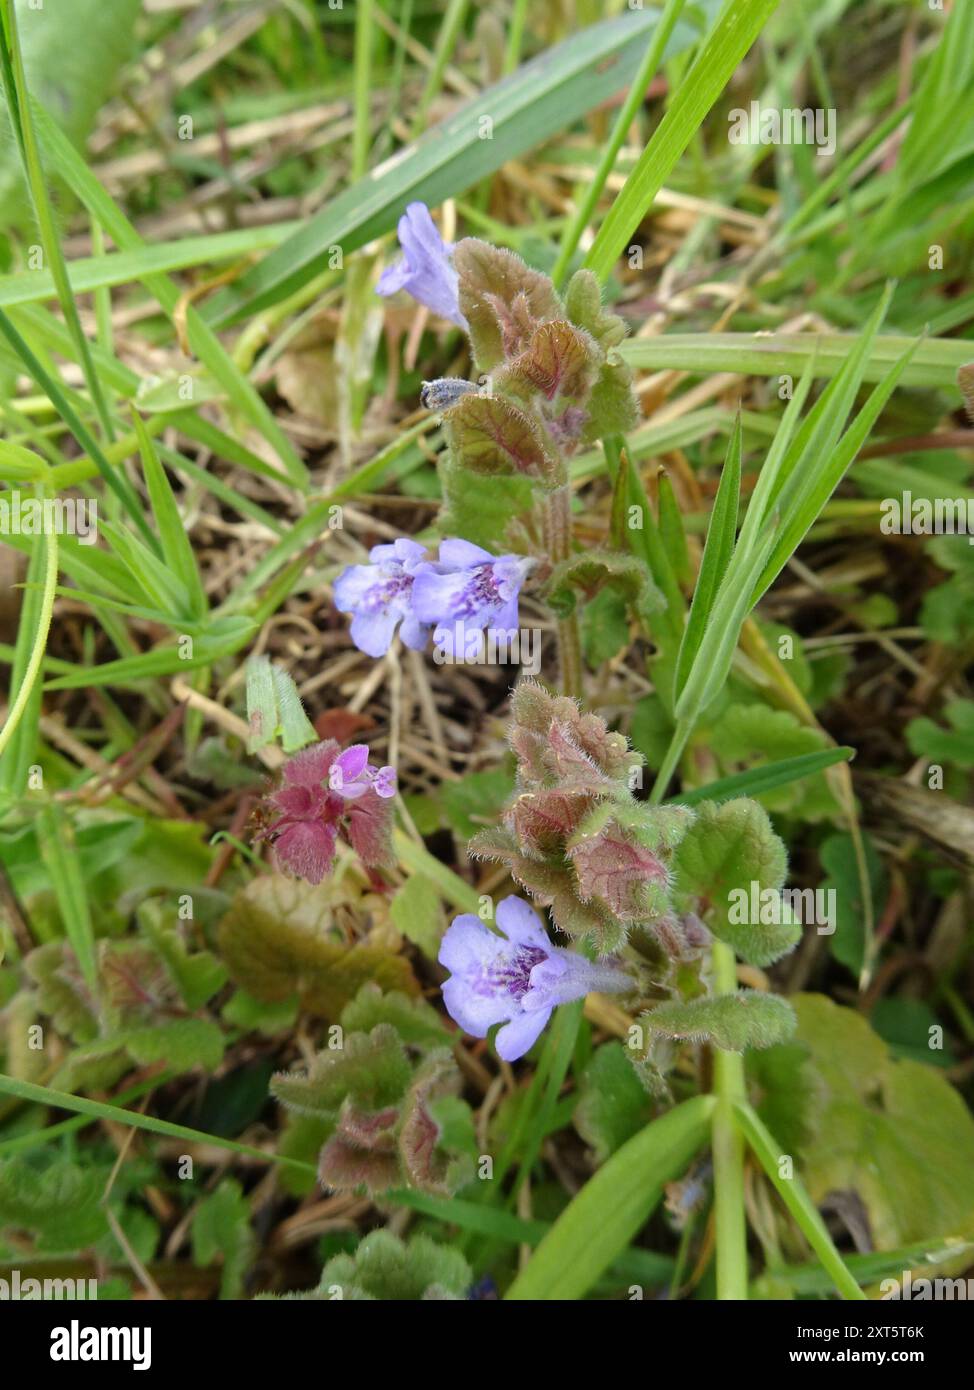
x,y
470,587
516,979
380,596
351,775
324,794
425,271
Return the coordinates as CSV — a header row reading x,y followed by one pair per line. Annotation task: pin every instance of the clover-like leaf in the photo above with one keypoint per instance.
x,y
372,1070
590,573
728,860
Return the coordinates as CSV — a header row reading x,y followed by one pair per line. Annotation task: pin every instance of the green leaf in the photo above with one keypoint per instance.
x,y
73,52
177,548
371,1069
182,1043
221,1229
612,1103
274,708
738,25
954,745
504,301
386,1268
729,853
491,436
599,1223
734,1022
605,627
838,855
476,799
765,778
56,839
934,362
280,939
593,572
481,509
61,1204
908,1025
202,340
415,1020
116,1114
796,1199
416,911
894,1132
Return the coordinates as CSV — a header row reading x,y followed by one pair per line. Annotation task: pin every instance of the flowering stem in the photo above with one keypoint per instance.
x,y
728,1150
558,538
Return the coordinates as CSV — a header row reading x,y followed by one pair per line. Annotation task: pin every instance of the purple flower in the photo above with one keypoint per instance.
x,y
324,794
470,587
516,979
380,596
351,775
425,271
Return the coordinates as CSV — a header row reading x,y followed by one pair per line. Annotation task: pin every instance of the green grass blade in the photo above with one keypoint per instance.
x,y
737,27
524,109
796,1199
603,1218
718,548
764,779
177,549
115,1114
204,343
18,736
935,362
56,838
13,68
112,476
592,191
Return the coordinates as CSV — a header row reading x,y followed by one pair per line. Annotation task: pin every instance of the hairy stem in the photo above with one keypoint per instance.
x,y
558,539
728,1150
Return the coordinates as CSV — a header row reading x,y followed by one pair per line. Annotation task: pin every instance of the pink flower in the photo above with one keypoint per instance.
x,y
326,793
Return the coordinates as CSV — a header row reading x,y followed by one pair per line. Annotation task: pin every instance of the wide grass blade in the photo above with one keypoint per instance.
x,y
541,98
934,363
613,1205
